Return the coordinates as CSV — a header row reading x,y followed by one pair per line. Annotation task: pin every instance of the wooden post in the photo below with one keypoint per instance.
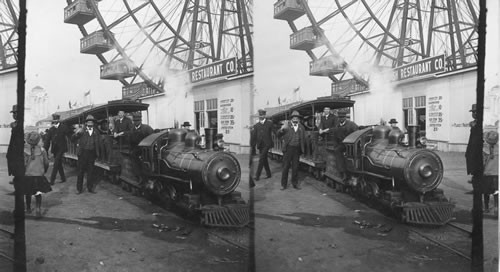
x,y
477,207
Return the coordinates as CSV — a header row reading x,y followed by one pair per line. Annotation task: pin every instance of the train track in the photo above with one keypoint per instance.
x,y
451,231
134,188
452,237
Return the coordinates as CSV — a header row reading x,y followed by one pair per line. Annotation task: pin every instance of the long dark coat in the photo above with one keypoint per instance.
x,y
261,135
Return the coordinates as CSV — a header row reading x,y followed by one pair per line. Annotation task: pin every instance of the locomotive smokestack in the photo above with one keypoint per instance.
x,y
412,136
210,138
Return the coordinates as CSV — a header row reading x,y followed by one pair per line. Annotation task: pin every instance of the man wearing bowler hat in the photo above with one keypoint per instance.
x,y
294,135
15,161
344,128
474,149
56,139
87,151
262,140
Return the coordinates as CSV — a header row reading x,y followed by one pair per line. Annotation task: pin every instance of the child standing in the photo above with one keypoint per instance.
x,y
490,176
37,163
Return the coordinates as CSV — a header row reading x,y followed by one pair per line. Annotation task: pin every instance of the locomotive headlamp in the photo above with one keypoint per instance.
x,y
425,171
223,173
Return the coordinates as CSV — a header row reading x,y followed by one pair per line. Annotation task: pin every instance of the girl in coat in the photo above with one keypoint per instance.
x,y
37,163
490,175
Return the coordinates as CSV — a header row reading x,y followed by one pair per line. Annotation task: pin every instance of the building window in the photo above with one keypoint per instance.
x,y
414,113
420,113
199,113
408,111
212,113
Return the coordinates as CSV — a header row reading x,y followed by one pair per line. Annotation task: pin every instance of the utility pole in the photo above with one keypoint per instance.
x,y
477,207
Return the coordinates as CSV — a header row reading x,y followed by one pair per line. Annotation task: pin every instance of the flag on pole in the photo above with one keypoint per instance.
x,y
58,107
69,104
296,89
279,101
86,93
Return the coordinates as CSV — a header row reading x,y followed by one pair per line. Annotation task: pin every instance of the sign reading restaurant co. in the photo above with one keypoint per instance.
x,y
222,68
423,67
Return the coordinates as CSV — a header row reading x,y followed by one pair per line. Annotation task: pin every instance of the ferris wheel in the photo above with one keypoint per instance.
x,y
9,12
141,41
349,38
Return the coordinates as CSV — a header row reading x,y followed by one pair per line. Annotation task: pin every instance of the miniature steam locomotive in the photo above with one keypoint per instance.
x,y
177,171
403,178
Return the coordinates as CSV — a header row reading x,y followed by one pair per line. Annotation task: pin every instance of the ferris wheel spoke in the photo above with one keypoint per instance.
x,y
186,42
119,48
132,13
336,12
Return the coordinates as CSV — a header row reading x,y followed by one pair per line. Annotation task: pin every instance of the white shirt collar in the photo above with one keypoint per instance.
x,y
57,125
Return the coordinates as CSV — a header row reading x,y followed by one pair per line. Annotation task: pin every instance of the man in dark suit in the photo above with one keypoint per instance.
x,y
140,130
123,127
328,122
344,128
88,150
293,135
474,151
262,139
56,138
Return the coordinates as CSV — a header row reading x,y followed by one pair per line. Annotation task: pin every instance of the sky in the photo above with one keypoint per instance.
x,y
278,69
54,61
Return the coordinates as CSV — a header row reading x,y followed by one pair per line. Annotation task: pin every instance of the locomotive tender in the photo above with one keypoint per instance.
x,y
170,166
379,167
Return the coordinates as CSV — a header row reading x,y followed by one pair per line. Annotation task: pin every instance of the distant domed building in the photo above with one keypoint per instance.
x,y
37,106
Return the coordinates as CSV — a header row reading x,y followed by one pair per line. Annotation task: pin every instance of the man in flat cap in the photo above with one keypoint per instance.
x,y
262,140
56,139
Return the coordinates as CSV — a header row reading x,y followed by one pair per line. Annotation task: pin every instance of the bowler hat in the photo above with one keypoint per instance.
x,y
33,138
342,113
56,117
90,118
296,114
393,121
474,108
186,124
14,108
262,112
137,116
491,137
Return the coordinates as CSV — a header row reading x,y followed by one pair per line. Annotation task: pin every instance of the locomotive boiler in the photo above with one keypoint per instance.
x,y
404,178
177,171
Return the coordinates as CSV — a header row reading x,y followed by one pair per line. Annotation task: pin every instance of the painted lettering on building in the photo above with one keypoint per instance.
x,y
213,70
435,112
226,114
420,68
